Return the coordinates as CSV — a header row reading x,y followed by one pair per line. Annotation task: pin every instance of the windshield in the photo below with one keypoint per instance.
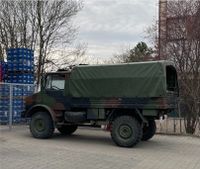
x,y
55,82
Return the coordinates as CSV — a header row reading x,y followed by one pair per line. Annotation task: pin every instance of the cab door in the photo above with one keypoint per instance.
x,y
55,85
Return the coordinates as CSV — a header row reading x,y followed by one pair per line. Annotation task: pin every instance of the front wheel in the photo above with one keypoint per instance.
x,y
41,125
149,131
67,129
126,131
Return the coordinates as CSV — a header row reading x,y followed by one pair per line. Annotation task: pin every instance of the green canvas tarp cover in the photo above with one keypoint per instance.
x,y
141,79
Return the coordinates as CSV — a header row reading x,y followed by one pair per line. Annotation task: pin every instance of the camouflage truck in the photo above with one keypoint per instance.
x,y
126,98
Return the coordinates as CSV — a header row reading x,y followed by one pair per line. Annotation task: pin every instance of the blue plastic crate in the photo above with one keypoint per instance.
x,y
4,116
4,120
20,59
4,91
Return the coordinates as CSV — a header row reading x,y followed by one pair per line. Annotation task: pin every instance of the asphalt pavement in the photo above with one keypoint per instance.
x,y
94,149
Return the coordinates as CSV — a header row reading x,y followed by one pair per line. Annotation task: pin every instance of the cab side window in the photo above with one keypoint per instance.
x,y
55,82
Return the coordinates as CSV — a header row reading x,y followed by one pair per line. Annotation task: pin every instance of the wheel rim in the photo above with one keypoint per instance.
x,y
125,131
39,125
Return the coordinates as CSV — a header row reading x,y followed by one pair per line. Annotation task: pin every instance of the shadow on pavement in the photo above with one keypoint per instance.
x,y
84,138
94,138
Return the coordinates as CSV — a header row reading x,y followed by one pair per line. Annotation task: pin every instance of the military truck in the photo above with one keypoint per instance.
x,y
126,98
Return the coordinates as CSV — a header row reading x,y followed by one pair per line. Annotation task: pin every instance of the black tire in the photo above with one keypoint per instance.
x,y
67,129
41,125
149,131
126,131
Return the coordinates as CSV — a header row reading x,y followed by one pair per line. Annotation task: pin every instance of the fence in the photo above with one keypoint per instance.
x,y
176,125
12,102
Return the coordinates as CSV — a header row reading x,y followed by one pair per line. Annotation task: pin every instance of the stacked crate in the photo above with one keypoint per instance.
x,y
3,67
4,92
4,103
20,66
20,70
17,103
1,71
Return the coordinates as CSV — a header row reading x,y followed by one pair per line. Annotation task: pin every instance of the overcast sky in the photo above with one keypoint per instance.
x,y
109,25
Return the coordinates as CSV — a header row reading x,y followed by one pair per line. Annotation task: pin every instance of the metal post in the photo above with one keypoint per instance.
x,y
10,107
174,125
179,113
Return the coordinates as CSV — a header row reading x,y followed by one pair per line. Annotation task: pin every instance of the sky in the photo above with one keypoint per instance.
x,y
107,26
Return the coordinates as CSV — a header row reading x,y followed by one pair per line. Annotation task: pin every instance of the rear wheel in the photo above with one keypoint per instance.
x,y
126,131
67,129
149,131
41,125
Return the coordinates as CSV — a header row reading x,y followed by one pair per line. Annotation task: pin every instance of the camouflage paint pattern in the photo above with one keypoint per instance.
x,y
59,105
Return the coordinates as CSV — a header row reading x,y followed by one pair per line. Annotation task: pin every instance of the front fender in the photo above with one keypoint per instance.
x,y
39,107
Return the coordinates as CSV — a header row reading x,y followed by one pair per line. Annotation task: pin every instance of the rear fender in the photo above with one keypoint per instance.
x,y
120,112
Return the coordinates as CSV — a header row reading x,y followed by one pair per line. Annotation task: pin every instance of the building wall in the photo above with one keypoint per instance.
x,y
172,27
162,28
